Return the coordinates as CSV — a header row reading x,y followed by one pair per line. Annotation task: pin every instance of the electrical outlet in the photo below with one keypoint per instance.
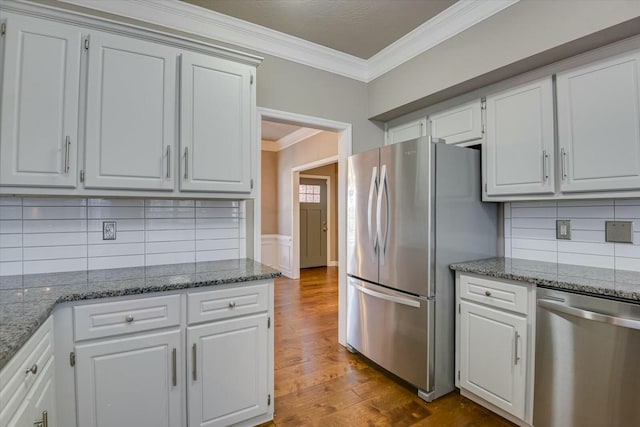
x,y
619,231
108,230
563,229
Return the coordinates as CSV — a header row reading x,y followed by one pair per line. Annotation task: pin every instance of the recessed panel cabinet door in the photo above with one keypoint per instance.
x,y
520,140
130,381
40,86
458,125
215,124
227,369
131,116
493,356
406,131
599,125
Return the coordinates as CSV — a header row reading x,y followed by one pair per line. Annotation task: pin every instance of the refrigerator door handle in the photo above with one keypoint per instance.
x,y
384,190
387,297
373,187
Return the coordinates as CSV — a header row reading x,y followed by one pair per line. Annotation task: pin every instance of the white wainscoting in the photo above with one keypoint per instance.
x,y
530,232
277,253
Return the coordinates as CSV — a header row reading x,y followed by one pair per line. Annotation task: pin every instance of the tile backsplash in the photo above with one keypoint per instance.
x,y
40,235
530,232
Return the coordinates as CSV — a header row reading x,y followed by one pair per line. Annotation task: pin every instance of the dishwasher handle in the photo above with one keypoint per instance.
x,y
553,305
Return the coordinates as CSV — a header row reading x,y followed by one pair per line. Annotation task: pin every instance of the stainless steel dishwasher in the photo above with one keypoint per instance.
x,y
587,367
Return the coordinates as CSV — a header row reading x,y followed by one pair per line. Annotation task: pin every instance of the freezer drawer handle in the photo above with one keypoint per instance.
x,y
589,315
392,298
372,188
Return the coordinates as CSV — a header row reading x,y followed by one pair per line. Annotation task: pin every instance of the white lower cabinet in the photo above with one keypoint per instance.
x,y
39,408
494,335
130,381
228,371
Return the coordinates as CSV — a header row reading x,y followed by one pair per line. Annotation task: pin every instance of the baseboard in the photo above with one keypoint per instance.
x,y
332,264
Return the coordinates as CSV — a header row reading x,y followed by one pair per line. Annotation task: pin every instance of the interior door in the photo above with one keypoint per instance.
x,y
313,222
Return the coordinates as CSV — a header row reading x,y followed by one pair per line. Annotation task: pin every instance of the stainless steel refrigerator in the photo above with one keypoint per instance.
x,y
413,208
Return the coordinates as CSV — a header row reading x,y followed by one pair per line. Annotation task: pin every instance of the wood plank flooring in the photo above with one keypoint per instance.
x,y
319,383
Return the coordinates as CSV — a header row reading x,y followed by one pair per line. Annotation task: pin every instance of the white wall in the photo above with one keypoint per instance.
x,y
530,230
39,235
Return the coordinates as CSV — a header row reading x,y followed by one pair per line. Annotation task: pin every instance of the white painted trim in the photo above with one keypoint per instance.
x,y
333,264
329,229
345,132
207,23
296,137
285,257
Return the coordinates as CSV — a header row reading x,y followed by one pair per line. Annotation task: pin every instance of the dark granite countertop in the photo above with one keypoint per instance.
x,y
27,301
619,284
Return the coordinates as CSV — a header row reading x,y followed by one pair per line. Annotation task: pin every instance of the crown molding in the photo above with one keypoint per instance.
x,y
268,145
213,25
289,140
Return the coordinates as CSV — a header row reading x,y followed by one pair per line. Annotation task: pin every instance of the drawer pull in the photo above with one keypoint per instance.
x,y
487,293
232,304
44,422
32,370
129,318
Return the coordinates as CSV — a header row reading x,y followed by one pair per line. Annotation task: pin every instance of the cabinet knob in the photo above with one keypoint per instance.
x,y
32,370
232,304
487,293
129,318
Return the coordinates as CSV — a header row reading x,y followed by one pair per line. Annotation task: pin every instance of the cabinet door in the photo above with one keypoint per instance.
x,y
462,124
227,371
493,349
39,119
130,381
599,125
215,124
407,131
131,116
520,140
40,404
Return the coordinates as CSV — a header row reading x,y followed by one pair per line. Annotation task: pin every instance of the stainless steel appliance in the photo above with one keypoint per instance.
x,y
587,361
413,208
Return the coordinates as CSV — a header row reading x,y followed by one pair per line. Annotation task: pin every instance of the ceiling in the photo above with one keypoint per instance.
x,y
272,131
360,28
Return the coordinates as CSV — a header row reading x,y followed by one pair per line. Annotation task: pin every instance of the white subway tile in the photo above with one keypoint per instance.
x,y
218,203
587,236
55,226
242,228
10,212
116,249
10,201
623,212
170,212
117,212
586,248
121,225
10,254
548,223
217,213
10,268
587,224
209,245
584,203
54,212
116,202
243,248
627,250
54,252
534,255
541,212
170,258
55,239
167,247
533,233
55,266
627,202
103,263
507,248
10,227
536,244
585,212
95,238
170,224
169,203
534,204
587,260
623,263
217,222
11,240
59,201
169,235
217,233
217,255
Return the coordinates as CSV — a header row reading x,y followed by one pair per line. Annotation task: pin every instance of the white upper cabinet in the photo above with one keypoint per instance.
x,y
459,125
215,124
599,125
520,140
406,131
131,113
40,92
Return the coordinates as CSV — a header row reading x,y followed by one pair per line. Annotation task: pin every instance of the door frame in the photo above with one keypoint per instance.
x,y
344,131
296,206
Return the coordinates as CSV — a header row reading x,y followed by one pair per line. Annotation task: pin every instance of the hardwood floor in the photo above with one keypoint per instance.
x,y
319,383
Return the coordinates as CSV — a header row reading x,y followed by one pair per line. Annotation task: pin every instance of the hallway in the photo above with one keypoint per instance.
x,y
318,382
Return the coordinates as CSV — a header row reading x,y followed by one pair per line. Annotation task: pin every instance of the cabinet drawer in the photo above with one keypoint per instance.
x,y
14,378
223,303
125,316
508,296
